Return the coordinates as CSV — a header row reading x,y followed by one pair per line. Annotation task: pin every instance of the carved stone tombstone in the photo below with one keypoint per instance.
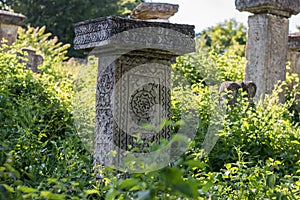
x,y
133,84
267,41
229,91
9,23
34,60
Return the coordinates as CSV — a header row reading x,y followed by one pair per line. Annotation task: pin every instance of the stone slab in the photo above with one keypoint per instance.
x,y
146,11
115,33
284,8
266,52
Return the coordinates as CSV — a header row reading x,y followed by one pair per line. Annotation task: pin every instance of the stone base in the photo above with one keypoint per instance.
x,y
9,32
132,91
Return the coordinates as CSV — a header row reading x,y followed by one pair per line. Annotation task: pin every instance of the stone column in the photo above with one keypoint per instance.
x,y
294,53
9,23
133,84
267,41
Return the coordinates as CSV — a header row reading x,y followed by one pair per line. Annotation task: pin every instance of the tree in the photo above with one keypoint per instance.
x,y
223,37
59,16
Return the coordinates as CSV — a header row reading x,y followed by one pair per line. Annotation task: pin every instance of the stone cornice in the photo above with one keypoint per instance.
x,y
11,18
284,8
118,33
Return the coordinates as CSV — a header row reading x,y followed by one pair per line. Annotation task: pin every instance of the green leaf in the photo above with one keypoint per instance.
x,y
188,188
112,194
207,187
195,163
8,188
128,183
228,166
92,192
27,189
271,181
52,196
172,175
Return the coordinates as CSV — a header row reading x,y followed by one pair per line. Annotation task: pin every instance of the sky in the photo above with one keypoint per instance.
x,y
207,13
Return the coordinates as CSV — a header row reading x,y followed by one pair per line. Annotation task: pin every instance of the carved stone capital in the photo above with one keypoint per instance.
x,y
284,8
11,18
112,34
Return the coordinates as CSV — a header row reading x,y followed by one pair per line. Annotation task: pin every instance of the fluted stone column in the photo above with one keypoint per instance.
x,y
267,41
9,23
133,84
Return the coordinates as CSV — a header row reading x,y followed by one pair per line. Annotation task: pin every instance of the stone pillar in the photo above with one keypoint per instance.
x,y
267,41
133,84
294,53
9,23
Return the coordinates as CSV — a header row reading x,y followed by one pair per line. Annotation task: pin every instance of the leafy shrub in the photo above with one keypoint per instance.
x,y
253,150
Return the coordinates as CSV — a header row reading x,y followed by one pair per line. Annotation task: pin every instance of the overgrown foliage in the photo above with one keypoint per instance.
x,y
59,16
254,152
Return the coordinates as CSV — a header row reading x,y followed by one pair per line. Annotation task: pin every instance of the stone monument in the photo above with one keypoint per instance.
x,y
229,91
267,41
9,23
34,60
294,52
133,84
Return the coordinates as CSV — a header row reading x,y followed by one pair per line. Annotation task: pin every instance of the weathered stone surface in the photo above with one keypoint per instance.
x,y
11,18
229,91
133,80
266,52
294,55
294,42
111,33
9,23
284,8
128,89
146,11
34,60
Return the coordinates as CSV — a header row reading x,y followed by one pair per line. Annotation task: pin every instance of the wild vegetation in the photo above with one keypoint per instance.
x,y
42,156
59,16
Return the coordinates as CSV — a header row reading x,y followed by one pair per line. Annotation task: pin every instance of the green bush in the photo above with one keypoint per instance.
x,y
37,132
239,152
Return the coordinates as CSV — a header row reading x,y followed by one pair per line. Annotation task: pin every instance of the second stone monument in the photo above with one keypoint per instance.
x,y
267,41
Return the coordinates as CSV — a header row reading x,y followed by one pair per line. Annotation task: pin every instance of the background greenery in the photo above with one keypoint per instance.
x,y
59,16
42,156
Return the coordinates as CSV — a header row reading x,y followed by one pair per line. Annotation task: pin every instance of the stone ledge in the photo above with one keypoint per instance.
x,y
284,8
122,33
11,18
